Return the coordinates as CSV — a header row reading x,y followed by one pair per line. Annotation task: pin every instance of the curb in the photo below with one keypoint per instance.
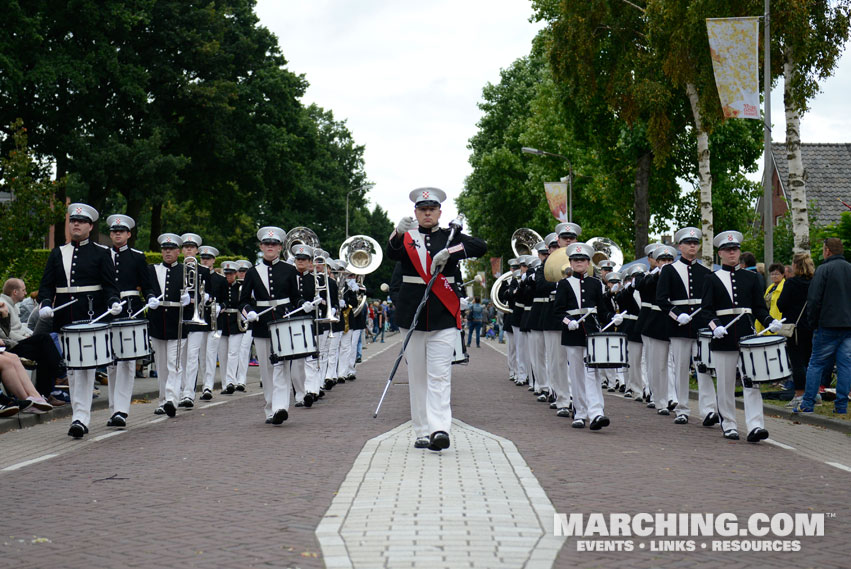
x,y
806,419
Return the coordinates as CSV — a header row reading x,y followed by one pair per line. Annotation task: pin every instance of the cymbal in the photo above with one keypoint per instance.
x,y
556,263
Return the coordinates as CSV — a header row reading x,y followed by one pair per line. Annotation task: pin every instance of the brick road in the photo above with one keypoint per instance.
x,y
217,487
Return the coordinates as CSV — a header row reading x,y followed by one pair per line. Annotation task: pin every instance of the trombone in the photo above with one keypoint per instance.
x,y
190,282
325,288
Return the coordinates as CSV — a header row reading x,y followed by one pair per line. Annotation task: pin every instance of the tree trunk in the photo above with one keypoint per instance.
x,y
642,205
796,186
705,178
134,208
156,226
61,195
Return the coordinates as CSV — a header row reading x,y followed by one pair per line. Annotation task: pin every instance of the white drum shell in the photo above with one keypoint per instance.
x,y
703,357
86,346
764,358
460,357
129,339
292,338
606,350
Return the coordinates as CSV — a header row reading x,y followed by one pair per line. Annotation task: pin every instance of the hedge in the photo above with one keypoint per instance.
x,y
30,266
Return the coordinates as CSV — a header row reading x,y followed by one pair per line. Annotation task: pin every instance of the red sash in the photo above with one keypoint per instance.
x,y
420,258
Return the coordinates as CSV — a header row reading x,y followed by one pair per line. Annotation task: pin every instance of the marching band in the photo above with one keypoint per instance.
x,y
578,320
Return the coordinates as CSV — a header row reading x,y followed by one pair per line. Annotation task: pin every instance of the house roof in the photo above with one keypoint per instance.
x,y
827,172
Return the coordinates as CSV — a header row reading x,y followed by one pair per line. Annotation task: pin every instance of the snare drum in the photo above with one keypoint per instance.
x,y
606,350
129,338
85,346
292,338
460,356
764,358
703,357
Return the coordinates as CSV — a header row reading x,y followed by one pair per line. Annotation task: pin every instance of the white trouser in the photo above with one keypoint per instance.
x,y
230,348
277,384
512,354
681,350
645,373
522,354
322,362
121,376
298,375
196,344
212,354
353,354
725,366
312,375
560,376
429,358
585,386
657,369
635,379
244,357
333,355
81,386
672,378
165,354
551,348
345,353
539,357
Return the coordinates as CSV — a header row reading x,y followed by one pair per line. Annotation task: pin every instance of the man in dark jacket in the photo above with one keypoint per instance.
x,y
829,312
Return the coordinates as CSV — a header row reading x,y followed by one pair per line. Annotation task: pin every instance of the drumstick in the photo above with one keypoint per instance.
x,y
122,303
138,312
612,322
690,316
782,320
287,315
61,306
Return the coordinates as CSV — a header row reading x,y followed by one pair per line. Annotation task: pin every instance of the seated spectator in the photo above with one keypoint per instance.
x,y
14,377
8,406
26,306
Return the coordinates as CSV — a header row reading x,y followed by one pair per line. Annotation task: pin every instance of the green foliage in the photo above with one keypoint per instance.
x,y
25,219
28,265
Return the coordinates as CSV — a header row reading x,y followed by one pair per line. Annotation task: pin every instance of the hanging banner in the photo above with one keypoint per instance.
x,y
734,48
496,267
557,198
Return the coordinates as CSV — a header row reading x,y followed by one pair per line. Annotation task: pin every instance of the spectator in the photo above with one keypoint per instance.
x,y
790,272
829,312
474,320
792,302
26,306
380,321
776,272
748,262
14,376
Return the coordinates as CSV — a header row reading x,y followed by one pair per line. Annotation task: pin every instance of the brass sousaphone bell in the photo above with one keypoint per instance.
x,y
362,255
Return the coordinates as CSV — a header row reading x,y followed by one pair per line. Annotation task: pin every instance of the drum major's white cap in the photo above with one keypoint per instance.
x,y
426,197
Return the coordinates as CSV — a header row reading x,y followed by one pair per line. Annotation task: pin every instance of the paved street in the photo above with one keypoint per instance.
x,y
216,487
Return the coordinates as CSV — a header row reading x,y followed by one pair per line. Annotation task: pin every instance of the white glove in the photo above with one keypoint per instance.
x,y
523,276
115,309
352,284
440,259
571,324
343,304
252,316
332,312
206,298
184,299
215,310
316,300
153,303
45,312
307,306
406,224
616,287
775,326
719,332
617,319
683,318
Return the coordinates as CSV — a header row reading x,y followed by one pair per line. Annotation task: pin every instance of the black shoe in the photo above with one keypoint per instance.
x,y
169,409
578,424
321,393
732,434
552,398
563,412
22,403
627,394
299,404
756,435
651,405
622,388
268,421
240,387
553,405
671,405
612,388
663,412
438,441
329,384
681,420
159,410
280,416
77,430
357,361
309,398
186,402
351,377
421,442
341,380
207,395
9,409
117,420
228,390
542,398
711,419
598,423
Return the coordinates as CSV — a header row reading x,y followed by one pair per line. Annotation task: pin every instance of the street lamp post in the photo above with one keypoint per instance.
x,y
527,150
350,192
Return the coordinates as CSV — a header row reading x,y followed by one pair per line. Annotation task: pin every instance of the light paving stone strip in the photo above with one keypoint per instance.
x,y
476,504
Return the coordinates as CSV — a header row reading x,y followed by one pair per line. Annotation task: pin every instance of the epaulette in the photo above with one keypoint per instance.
x,y
137,251
100,245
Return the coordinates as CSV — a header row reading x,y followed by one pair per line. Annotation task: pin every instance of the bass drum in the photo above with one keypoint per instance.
x,y
85,346
292,338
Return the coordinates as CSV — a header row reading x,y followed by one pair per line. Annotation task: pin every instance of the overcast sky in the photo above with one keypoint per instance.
x,y
406,76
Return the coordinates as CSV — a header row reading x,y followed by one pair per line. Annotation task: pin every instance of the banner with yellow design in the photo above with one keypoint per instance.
x,y
734,47
557,198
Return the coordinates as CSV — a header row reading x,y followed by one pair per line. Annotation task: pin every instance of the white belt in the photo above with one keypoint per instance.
x,y
529,308
519,305
686,302
544,299
630,317
413,279
275,302
126,293
733,311
170,303
650,306
230,311
77,289
582,311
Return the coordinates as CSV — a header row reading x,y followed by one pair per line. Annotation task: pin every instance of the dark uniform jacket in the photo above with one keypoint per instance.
x,y
673,298
90,267
626,301
506,298
229,317
309,292
525,295
591,292
434,315
163,322
282,287
356,322
132,278
746,293
543,314
650,319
